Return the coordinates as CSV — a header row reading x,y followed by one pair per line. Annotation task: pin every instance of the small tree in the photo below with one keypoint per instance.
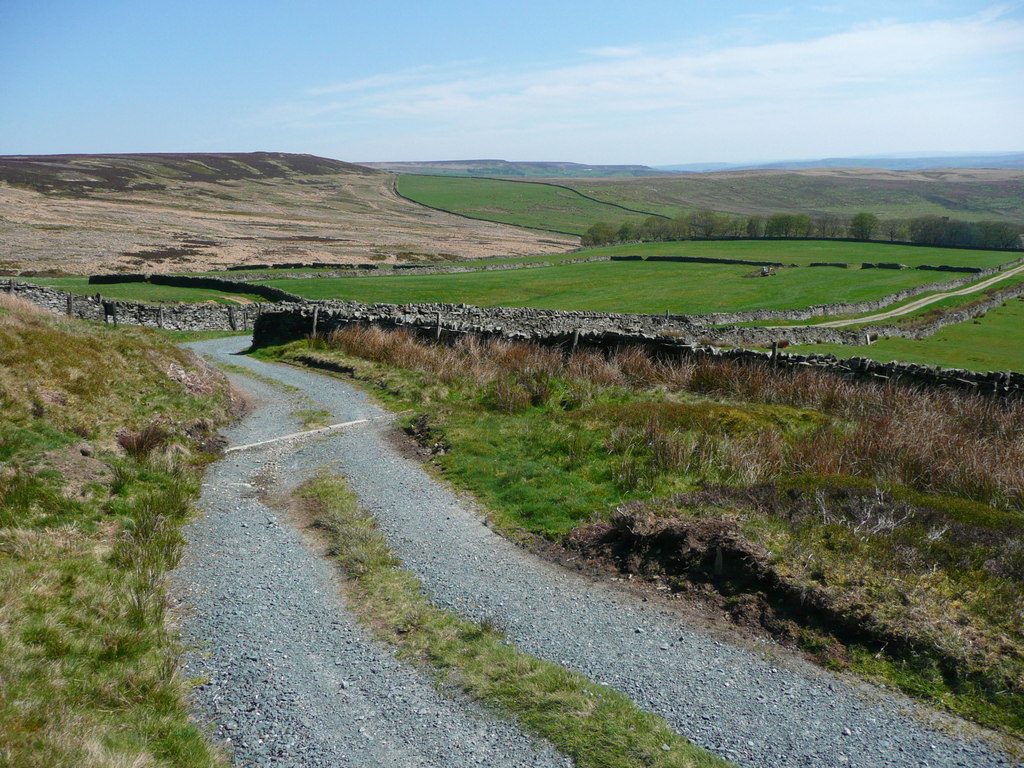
x,y
863,225
628,232
704,225
600,233
895,229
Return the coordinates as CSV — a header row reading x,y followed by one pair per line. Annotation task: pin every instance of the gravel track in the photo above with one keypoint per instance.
x,y
735,701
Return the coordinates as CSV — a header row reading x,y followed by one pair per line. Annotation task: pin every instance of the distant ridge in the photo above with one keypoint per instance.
x,y
509,169
1002,160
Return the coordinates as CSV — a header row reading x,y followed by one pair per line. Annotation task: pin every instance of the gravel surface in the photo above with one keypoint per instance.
x,y
735,701
291,679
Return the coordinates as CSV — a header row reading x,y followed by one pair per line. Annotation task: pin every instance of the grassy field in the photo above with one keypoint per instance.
x,y
884,520
145,292
102,440
992,343
542,206
622,287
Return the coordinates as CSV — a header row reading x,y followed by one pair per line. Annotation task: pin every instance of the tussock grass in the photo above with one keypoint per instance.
x,y
88,666
552,442
596,726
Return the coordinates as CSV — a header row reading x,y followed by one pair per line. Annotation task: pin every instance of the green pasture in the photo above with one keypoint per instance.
x,y
994,342
145,292
614,286
542,206
801,252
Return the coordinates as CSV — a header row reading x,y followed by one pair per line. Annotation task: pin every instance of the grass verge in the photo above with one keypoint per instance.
x,y
596,726
101,445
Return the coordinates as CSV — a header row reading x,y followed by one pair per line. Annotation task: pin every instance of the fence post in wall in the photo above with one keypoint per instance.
x,y
316,320
10,286
160,316
575,339
232,323
437,332
775,353
70,306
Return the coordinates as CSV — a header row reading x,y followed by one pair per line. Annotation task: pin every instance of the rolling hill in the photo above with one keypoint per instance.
x,y
167,212
970,194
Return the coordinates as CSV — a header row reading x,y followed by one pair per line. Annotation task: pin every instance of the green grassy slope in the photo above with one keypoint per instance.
x,y
622,287
542,206
889,195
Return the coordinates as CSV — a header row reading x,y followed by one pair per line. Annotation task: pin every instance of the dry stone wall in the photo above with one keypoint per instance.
x,y
444,323
176,317
665,336
268,292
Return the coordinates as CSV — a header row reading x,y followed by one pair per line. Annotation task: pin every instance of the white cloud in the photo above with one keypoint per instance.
x,y
919,72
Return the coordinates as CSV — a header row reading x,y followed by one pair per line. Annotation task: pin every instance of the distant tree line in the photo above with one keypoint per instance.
x,y
710,225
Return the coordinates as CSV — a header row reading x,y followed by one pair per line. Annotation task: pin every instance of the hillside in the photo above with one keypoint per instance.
x,y
554,207
166,212
969,194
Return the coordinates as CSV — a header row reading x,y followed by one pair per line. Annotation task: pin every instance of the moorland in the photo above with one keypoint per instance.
x,y
873,527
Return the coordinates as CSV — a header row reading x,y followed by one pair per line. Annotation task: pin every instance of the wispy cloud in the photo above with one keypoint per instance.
x,y
906,63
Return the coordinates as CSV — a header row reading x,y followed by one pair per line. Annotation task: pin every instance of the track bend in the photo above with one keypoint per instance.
x,y
286,675
248,578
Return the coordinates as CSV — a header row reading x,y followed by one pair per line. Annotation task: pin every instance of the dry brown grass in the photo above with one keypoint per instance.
x,y
196,225
931,440
16,306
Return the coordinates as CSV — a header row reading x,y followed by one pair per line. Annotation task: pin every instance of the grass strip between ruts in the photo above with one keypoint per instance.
x,y
595,725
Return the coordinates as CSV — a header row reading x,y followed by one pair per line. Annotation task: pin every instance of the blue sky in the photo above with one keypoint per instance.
x,y
649,81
